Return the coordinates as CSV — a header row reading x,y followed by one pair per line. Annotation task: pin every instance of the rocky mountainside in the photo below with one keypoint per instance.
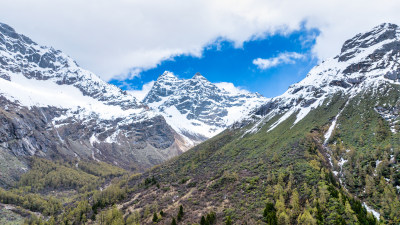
x,y
327,151
366,62
51,107
198,109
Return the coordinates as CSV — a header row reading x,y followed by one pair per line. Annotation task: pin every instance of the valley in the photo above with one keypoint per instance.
x,y
326,151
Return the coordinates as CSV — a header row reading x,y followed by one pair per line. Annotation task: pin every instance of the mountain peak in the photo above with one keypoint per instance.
x,y
167,75
379,35
5,27
199,77
8,31
196,108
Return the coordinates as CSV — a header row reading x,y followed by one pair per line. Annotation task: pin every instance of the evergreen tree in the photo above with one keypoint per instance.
x,y
280,205
350,216
270,214
320,217
228,221
173,221
180,213
211,217
155,217
202,221
369,185
294,203
381,130
306,219
283,219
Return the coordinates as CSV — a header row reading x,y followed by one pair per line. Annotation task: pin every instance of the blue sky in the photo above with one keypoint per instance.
x,y
221,61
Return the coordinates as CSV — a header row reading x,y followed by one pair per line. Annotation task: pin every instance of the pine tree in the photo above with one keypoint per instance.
x,y
283,219
210,218
173,221
275,157
351,218
306,219
369,185
280,205
381,130
294,203
180,213
228,221
270,214
155,217
203,221
320,217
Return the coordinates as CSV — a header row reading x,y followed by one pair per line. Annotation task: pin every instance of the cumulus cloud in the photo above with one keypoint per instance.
x,y
141,94
231,88
112,37
282,58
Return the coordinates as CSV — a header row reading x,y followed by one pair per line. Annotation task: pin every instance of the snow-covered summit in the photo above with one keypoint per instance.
x,y
71,112
382,33
21,55
42,74
365,61
199,77
197,108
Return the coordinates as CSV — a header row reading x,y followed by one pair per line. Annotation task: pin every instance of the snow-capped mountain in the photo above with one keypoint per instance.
x,y
196,108
365,77
334,136
53,108
365,62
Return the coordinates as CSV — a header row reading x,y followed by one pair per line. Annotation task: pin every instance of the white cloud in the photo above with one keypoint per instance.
x,y
111,37
141,94
229,87
282,58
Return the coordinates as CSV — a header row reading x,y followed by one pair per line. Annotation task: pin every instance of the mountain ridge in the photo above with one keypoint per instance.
x,y
197,108
54,108
324,152
79,116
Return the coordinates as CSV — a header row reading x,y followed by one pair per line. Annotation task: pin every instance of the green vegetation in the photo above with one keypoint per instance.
x,y
269,177
11,216
270,214
45,174
283,176
180,213
41,189
30,201
173,222
209,219
372,152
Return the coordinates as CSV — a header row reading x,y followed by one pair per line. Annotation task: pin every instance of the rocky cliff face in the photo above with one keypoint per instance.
x,y
51,107
196,108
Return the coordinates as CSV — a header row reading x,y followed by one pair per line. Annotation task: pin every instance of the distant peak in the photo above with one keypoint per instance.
x,y
387,26
10,32
7,28
167,75
198,76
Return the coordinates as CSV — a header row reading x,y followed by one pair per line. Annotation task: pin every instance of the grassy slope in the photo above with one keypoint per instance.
x,y
235,177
